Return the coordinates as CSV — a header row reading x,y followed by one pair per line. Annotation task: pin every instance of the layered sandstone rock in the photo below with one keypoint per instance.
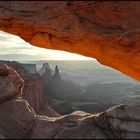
x,y
33,87
33,91
18,120
106,30
16,117
11,84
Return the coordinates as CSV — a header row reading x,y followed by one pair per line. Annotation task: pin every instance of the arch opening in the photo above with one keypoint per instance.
x,y
79,84
112,39
14,48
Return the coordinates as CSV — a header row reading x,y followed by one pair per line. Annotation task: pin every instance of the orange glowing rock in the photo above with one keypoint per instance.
x,y
106,30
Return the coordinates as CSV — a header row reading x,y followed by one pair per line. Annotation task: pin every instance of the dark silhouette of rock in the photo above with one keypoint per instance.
x,y
45,69
56,78
31,68
49,80
56,72
46,75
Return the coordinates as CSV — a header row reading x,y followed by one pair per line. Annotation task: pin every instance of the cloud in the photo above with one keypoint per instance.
x,y
19,57
3,38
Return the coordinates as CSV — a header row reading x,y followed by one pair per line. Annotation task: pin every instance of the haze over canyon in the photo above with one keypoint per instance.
x,y
81,99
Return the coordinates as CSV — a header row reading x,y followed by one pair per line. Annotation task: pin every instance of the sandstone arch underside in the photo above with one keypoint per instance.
x,y
106,30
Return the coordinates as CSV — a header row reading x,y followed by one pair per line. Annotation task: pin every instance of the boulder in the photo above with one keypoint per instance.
x,y
118,122
16,119
11,83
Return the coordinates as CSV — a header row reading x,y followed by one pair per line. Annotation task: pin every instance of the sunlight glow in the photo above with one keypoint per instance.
x,y
16,48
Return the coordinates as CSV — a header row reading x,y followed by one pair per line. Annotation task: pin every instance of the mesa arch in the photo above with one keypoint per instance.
x,y
106,30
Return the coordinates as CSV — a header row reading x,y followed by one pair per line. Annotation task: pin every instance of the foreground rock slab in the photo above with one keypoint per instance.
x,y
118,122
16,119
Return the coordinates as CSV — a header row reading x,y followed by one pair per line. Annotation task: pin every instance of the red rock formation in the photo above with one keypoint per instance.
x,y
18,120
33,88
106,30
32,91
11,83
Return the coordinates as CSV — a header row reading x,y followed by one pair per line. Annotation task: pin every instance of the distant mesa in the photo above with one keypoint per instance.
x,y
49,79
56,75
45,68
31,68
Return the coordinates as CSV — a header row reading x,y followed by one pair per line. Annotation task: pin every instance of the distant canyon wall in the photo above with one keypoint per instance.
x,y
106,30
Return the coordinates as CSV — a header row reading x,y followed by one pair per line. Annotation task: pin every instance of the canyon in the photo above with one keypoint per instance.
x,y
33,87
19,120
107,31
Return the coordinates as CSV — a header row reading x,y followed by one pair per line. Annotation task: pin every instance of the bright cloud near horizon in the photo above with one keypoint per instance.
x,y
14,48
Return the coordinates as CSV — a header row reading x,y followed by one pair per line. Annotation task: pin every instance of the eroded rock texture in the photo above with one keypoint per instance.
x,y
32,90
11,84
118,122
106,30
19,120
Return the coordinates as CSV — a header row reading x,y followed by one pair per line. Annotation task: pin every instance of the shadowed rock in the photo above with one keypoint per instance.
x,y
118,122
18,119
11,84
4,70
32,91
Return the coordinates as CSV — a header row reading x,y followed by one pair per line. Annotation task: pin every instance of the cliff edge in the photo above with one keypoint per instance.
x,y
19,120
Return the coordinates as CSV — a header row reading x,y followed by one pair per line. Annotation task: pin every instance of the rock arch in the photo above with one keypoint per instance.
x,y
106,30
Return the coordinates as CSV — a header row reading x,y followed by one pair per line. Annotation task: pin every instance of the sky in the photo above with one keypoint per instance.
x,y
14,48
